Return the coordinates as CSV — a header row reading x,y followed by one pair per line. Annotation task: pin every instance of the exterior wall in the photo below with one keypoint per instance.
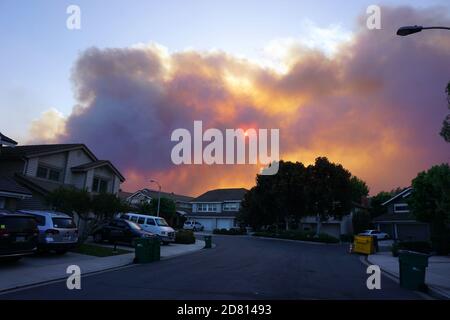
x,y
78,179
89,180
36,202
107,174
75,158
9,168
31,167
55,160
116,185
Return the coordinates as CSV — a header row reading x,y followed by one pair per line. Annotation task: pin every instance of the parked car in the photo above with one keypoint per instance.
x,y
57,231
380,235
155,225
193,225
120,231
18,235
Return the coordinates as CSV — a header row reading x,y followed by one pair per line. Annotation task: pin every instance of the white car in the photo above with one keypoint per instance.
x,y
380,235
193,225
152,224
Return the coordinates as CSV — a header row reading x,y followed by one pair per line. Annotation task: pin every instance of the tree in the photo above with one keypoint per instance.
x,y
106,205
376,208
359,189
276,198
430,202
361,221
167,208
445,131
72,201
329,190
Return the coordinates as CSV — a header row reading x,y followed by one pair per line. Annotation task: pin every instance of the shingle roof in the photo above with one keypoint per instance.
x,y
404,193
96,164
38,149
6,139
219,195
8,184
154,194
42,186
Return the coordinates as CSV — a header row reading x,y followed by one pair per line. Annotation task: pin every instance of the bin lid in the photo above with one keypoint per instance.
x,y
413,258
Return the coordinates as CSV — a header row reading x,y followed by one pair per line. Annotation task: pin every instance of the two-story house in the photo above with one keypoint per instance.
x,y
399,222
183,203
44,168
11,192
217,209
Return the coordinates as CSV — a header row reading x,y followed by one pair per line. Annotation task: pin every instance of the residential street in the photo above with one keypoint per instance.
x,y
239,267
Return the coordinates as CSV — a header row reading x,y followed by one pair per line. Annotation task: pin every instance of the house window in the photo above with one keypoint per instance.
x,y
231,206
99,185
401,207
49,173
206,207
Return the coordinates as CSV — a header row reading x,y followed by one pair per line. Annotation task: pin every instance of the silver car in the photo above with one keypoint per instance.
x,y
57,231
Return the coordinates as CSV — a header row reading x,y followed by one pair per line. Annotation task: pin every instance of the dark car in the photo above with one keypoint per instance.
x,y
120,231
18,235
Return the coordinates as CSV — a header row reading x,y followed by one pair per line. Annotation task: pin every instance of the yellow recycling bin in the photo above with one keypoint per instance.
x,y
363,244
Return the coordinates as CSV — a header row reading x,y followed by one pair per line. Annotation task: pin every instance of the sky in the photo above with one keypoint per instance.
x,y
132,74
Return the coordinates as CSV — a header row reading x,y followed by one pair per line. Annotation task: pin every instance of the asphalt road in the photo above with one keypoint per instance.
x,y
237,268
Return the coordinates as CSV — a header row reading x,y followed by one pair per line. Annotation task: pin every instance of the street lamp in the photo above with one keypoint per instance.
x,y
407,30
159,195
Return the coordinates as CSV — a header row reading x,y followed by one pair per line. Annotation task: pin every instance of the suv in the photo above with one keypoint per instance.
x,y
18,235
378,234
57,231
156,225
193,225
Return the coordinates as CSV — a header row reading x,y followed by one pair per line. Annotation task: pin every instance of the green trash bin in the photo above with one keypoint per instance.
x,y
143,250
208,242
412,270
156,249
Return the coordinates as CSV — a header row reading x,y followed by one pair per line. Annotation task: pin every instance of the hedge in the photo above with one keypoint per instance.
x,y
184,237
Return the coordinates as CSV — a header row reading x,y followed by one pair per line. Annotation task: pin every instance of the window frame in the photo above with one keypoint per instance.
x,y
48,170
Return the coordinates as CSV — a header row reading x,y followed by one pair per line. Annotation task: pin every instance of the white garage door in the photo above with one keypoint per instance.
x,y
209,224
224,223
333,229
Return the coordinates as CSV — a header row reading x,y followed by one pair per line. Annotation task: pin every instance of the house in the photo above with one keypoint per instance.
x,y
333,226
10,191
217,209
44,168
139,197
399,222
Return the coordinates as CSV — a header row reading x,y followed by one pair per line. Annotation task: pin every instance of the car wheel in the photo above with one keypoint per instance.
x,y
98,238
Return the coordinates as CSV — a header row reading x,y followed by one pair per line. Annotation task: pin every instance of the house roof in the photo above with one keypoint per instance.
x,y
220,195
405,193
28,151
390,217
124,195
6,140
11,187
154,194
39,185
96,164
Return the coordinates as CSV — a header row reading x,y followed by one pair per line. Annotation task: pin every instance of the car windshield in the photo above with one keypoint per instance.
x,y
161,222
63,223
134,225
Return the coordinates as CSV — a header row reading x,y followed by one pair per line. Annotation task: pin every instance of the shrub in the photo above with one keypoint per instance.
x,y
184,237
232,232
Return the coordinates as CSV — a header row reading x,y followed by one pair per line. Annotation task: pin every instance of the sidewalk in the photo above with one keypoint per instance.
x,y
40,269
437,274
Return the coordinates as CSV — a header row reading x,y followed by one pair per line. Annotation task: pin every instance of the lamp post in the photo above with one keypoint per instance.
x,y
159,195
407,30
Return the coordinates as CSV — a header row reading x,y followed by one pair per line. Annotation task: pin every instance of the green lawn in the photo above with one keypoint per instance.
x,y
98,251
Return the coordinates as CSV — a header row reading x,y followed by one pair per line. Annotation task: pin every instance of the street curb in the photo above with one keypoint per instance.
x,y
88,274
432,293
297,241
